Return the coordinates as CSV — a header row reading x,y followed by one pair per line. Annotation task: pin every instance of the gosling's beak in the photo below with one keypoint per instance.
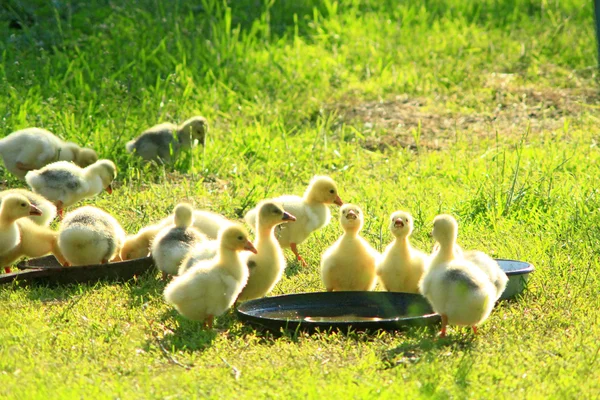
x,y
34,210
250,247
109,189
399,223
338,201
351,215
288,217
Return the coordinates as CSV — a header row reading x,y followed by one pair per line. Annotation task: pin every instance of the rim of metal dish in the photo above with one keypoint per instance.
x,y
529,268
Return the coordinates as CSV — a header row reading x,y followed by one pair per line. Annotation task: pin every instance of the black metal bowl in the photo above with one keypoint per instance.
x,y
360,311
518,275
48,270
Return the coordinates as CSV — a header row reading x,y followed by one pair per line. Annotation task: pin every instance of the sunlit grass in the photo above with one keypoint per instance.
x,y
275,80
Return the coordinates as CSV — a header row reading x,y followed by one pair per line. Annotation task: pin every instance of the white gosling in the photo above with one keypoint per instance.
x,y
311,212
64,183
456,288
349,264
33,148
163,142
210,288
47,208
267,265
401,266
173,242
89,235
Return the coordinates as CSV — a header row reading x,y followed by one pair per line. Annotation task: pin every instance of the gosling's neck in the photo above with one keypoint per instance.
x,y
446,250
351,233
6,220
184,136
229,260
402,244
265,232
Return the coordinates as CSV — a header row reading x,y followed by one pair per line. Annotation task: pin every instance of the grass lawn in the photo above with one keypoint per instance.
x,y
487,110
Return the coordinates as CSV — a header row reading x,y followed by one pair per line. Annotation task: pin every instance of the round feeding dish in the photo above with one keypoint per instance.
x,y
518,275
339,310
47,270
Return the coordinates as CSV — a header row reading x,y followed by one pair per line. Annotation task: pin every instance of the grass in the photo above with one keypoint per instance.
x,y
487,110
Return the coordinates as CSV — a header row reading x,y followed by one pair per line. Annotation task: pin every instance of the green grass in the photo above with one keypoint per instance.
x,y
490,112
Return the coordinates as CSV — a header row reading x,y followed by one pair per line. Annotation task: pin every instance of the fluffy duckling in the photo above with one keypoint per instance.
x,y
163,141
35,240
139,245
267,265
401,266
13,207
456,288
47,208
173,242
311,213
486,263
349,264
33,148
209,288
89,235
65,183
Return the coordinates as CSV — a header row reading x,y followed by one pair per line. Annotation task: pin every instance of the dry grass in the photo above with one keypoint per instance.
x,y
414,122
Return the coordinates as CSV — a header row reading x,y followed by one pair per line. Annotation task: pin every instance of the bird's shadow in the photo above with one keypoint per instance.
x,y
172,332
421,343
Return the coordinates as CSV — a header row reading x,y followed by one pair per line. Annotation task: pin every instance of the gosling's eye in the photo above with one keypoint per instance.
x,y
276,211
332,191
240,238
23,204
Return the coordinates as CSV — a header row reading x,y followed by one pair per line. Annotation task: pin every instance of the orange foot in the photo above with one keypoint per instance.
x,y
444,324
59,209
24,167
298,256
208,322
7,270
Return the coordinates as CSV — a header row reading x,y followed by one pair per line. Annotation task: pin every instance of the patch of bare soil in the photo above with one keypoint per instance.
x,y
396,122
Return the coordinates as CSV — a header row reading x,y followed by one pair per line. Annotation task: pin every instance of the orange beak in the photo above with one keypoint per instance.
x,y
288,217
338,201
109,189
250,247
35,211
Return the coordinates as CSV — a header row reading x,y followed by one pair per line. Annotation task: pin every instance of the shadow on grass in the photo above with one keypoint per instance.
x,y
64,295
184,334
420,342
293,268
145,288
